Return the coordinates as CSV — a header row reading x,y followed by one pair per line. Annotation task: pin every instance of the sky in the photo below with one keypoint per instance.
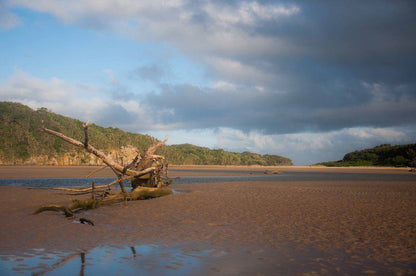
x,y
308,80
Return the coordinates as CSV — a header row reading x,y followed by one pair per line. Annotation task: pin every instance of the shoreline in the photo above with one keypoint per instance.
x,y
31,171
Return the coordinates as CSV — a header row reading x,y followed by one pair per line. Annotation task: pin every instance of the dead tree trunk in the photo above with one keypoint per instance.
x,y
147,171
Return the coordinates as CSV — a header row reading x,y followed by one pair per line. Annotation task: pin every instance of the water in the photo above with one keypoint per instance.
x,y
106,260
256,176
54,182
151,259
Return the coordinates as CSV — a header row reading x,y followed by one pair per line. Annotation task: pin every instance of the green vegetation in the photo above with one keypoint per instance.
x,y
384,155
21,142
187,154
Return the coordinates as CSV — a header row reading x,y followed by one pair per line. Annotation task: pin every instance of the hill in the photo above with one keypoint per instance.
x,y
384,155
21,142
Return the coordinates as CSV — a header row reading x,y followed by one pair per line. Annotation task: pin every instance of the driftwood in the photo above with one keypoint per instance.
x,y
148,171
140,193
147,175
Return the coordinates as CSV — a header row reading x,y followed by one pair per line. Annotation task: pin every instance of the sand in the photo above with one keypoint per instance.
x,y
322,227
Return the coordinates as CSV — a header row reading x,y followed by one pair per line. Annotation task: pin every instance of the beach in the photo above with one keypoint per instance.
x,y
254,227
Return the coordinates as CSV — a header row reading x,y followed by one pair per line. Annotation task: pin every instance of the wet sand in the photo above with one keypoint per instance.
x,y
305,227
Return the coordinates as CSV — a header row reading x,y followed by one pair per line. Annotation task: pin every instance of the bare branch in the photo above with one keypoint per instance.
x,y
146,171
97,170
85,126
90,149
147,159
133,163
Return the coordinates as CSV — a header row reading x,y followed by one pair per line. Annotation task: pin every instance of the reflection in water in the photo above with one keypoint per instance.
x,y
107,260
81,273
180,260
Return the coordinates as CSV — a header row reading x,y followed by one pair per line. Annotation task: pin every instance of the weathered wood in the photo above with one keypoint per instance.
x,y
149,156
133,163
96,170
67,211
93,190
148,171
86,134
92,150
97,187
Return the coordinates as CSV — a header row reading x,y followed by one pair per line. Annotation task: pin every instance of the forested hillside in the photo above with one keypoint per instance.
x,y
383,155
21,142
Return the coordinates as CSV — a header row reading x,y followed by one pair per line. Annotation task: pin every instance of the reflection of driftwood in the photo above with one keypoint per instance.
x,y
66,259
57,264
81,272
133,251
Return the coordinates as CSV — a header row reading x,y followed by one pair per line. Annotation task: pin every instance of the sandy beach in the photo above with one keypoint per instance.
x,y
269,228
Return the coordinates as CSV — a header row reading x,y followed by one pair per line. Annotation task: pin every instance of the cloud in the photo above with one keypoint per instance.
x,y
8,20
275,67
311,148
83,101
153,73
271,112
287,72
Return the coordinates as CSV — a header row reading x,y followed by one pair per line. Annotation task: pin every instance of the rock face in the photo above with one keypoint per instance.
x,y
77,158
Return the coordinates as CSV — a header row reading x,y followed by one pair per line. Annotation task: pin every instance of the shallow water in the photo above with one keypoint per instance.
x,y
106,260
256,176
194,260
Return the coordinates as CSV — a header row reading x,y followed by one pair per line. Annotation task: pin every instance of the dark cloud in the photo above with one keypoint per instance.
x,y
338,65
113,115
278,66
151,72
284,113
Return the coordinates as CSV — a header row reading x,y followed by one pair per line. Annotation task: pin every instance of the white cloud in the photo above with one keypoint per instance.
x,y
247,13
64,98
237,71
24,87
310,148
208,31
223,85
